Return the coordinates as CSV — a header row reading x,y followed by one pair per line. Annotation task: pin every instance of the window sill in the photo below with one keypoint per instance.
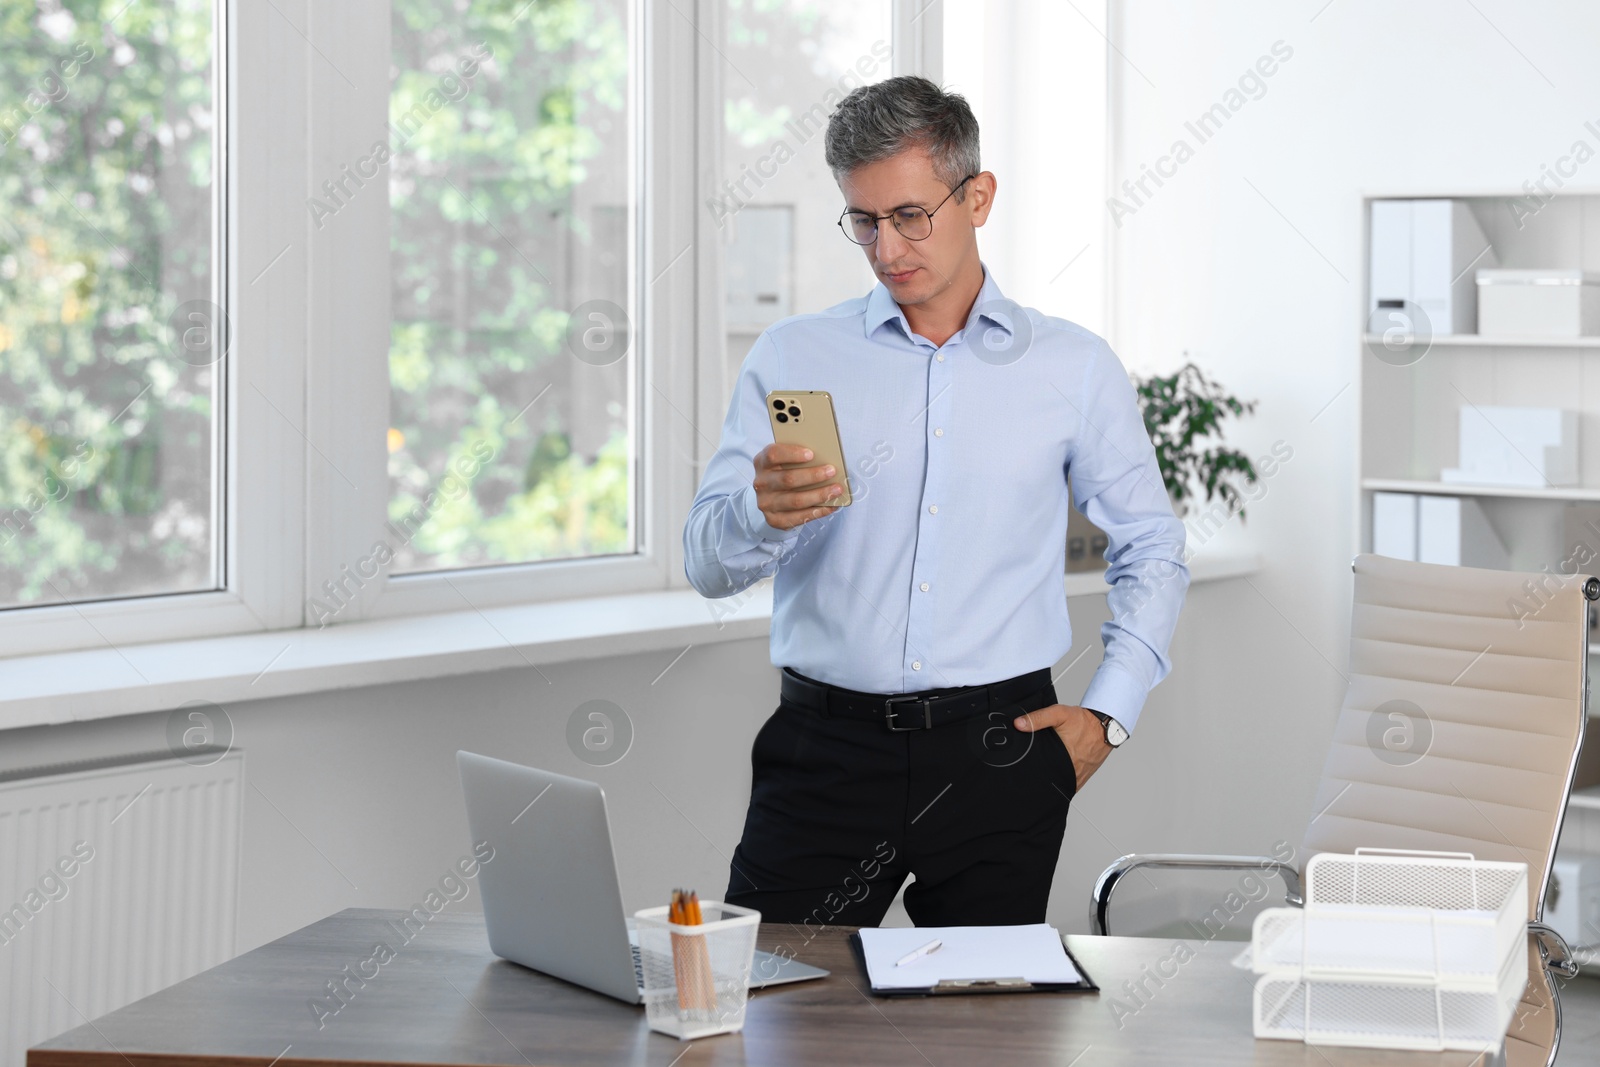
x,y
101,683
104,682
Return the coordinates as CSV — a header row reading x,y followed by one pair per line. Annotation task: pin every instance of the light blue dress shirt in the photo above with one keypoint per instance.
x,y
947,569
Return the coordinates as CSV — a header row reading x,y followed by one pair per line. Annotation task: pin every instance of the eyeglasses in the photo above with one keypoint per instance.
x,y
913,222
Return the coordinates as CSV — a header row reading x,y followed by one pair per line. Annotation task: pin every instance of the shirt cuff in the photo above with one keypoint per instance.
x,y
1118,694
756,524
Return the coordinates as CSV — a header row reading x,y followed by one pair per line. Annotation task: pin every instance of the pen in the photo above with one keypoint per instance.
x,y
917,953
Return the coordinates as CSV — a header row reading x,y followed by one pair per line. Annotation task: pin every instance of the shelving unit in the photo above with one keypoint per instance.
x,y
1410,414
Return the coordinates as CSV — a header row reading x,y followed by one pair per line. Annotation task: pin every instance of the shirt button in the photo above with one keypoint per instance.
x,y
924,587
933,509
940,357
938,431
916,664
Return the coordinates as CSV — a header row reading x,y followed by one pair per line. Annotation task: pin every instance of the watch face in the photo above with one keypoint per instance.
x,y
1115,734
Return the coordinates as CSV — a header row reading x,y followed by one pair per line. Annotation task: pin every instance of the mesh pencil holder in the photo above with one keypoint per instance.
x,y
697,978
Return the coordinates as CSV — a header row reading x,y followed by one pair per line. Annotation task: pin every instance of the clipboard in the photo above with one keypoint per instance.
x,y
959,986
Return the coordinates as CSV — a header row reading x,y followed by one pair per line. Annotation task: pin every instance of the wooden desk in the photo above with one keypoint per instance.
x,y
445,999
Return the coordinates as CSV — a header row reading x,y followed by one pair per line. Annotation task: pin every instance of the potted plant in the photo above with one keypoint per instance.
x,y
1180,411
1184,414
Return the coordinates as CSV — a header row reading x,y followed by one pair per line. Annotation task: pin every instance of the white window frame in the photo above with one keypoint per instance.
x,y
260,502
662,136
308,379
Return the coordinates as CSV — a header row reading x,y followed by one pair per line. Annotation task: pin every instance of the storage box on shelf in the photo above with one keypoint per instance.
x,y
1538,303
1524,446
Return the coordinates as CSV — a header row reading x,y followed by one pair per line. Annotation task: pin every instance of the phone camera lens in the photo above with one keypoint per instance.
x,y
794,411
779,404
782,417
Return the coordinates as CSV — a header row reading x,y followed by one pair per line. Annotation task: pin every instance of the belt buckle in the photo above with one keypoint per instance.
x,y
890,714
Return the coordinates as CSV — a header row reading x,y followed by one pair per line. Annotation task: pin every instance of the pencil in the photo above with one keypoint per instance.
x,y
691,959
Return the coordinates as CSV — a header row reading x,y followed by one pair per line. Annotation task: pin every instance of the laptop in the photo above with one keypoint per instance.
x,y
551,899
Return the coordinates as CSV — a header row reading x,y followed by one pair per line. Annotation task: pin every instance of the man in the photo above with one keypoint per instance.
x,y
918,731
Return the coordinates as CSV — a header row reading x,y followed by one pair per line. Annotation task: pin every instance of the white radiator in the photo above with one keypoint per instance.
x,y
115,881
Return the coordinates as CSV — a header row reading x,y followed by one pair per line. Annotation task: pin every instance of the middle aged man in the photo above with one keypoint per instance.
x,y
917,628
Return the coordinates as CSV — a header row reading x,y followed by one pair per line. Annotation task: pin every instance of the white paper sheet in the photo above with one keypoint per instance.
x,y
1033,953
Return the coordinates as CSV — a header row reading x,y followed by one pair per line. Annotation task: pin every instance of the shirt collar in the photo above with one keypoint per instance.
x,y
991,306
881,308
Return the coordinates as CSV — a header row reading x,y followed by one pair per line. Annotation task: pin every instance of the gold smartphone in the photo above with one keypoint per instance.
x,y
805,417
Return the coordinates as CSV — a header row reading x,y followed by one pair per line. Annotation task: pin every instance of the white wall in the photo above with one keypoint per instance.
x,y
1249,258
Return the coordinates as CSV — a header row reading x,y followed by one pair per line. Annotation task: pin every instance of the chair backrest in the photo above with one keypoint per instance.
x,y
1463,715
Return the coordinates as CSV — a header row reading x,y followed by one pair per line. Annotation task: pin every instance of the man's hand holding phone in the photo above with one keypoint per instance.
x,y
790,498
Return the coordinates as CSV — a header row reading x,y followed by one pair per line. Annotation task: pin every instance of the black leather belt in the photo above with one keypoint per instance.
x,y
924,710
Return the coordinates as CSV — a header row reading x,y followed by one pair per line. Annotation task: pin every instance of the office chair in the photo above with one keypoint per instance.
x,y
1493,667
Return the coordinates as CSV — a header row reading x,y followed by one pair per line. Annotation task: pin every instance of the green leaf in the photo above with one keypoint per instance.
x,y
1184,412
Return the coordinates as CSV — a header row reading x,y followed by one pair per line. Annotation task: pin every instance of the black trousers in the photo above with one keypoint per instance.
x,y
842,810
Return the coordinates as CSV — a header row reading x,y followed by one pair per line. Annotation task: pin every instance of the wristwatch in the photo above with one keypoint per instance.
x,y
1115,734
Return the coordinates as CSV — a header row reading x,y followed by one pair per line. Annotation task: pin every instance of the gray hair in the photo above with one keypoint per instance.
x,y
883,119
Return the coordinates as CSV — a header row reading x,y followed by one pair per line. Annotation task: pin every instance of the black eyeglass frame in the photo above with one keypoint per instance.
x,y
876,219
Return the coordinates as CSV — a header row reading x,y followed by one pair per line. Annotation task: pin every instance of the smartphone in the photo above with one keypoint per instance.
x,y
805,417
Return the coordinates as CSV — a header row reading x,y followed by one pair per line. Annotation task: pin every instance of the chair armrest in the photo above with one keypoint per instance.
x,y
1554,951
1106,884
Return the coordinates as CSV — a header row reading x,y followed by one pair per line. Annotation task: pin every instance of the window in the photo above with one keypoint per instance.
x,y
512,360
787,63
112,334
475,359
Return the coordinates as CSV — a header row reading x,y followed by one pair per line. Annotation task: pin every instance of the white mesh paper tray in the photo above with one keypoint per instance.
x,y
1337,941
1395,950
1394,1013
1398,916
1455,881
